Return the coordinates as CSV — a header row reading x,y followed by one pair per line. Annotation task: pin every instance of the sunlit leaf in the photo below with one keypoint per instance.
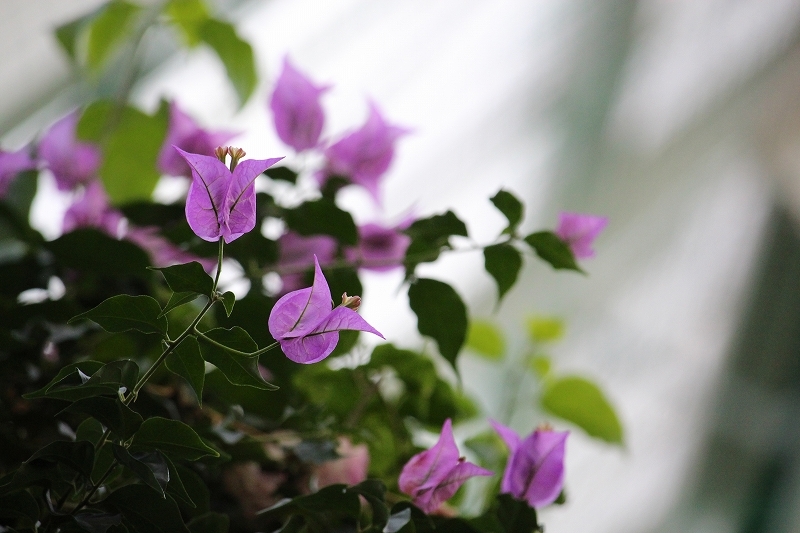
x,y
486,339
235,53
583,403
545,329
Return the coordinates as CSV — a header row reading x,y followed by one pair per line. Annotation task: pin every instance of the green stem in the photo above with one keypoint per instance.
x,y
219,264
211,341
96,486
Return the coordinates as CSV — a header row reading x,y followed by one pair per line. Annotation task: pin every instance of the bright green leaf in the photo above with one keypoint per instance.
x,y
581,402
503,262
124,313
238,369
486,339
541,365
108,29
441,314
188,16
171,437
511,207
188,363
545,329
235,54
549,247
187,277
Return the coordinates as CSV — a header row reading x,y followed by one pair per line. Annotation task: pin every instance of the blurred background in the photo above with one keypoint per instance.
x,y
678,119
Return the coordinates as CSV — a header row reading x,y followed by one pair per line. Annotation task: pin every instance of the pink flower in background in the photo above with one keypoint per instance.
x,y
364,155
11,164
162,251
351,468
433,476
72,162
579,231
297,255
379,248
184,133
296,109
307,326
222,203
92,210
535,468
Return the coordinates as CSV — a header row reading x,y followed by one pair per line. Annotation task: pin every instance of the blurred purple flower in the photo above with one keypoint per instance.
x,y
307,326
351,468
72,162
11,164
92,210
579,231
365,154
379,248
184,133
535,468
297,255
433,476
162,251
222,203
296,109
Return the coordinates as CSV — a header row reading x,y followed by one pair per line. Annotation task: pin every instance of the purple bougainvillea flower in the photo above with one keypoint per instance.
x,y
579,231
184,133
11,164
296,109
222,203
72,162
433,476
364,155
162,251
92,210
297,255
535,468
307,326
379,248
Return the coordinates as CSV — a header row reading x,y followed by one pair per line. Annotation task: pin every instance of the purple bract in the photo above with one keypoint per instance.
x,y
307,326
297,254
92,210
296,109
433,476
535,468
579,231
11,164
72,162
379,248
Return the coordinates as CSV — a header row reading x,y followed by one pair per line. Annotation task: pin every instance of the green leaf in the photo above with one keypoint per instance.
x,y
235,54
430,235
331,501
112,413
90,430
97,522
107,30
549,247
486,339
541,365
145,511
511,207
238,369
228,299
68,34
322,217
124,313
187,277
282,173
188,16
79,456
210,523
177,299
131,141
503,262
440,314
90,251
545,328
175,484
515,515
108,380
19,504
150,467
374,491
195,488
171,437
188,363
69,375
581,402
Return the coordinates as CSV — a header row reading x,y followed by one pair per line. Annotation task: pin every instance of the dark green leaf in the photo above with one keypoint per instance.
x,y
440,314
188,16
238,369
210,523
341,280
374,491
187,277
397,521
171,437
20,193
430,235
177,299
89,250
421,522
90,430
149,467
146,511
188,363
19,504
110,412
131,142
549,247
228,299
95,521
107,29
502,262
195,487
516,516
282,173
581,402
486,339
124,313
69,375
107,381
235,54
176,486
511,207
79,456
331,501
322,217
